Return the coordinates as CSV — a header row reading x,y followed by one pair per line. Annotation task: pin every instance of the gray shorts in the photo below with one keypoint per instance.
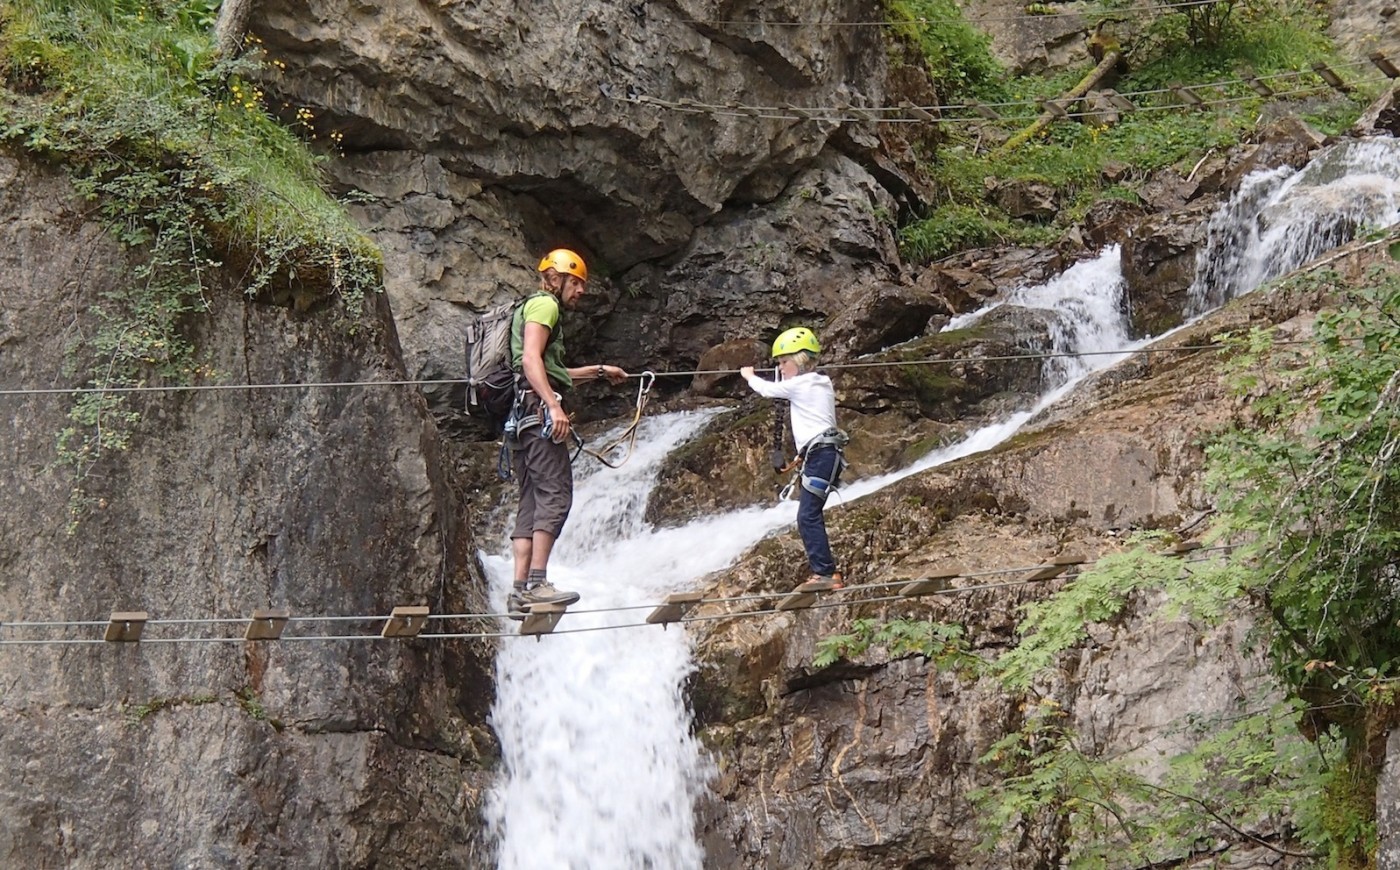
x,y
546,485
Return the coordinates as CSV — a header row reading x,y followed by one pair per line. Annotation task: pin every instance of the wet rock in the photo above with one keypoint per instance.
x,y
1111,221
698,228
880,316
1286,142
1381,118
957,374
1159,264
960,290
897,738
1165,190
752,272
320,501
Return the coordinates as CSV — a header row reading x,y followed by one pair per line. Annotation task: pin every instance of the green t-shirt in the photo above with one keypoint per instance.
x,y
542,308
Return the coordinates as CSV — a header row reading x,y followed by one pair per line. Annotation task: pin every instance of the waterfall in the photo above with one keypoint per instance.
x,y
1280,219
600,768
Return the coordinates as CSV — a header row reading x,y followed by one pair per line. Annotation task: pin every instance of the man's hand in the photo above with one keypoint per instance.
x,y
559,433
746,372
614,374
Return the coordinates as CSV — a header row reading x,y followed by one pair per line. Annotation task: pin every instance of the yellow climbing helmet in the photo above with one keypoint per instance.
x,y
565,261
796,339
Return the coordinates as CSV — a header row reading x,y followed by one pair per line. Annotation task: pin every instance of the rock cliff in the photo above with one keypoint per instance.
x,y
471,138
323,502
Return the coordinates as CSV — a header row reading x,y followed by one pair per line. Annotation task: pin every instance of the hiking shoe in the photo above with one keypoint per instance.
x,y
547,594
821,583
516,608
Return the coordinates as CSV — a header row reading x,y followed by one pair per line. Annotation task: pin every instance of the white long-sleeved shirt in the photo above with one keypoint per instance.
x,y
811,403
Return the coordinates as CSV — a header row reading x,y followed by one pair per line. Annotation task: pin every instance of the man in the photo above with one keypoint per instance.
x,y
540,454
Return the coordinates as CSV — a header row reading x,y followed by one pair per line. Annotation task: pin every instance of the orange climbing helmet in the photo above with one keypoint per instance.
x,y
798,338
566,262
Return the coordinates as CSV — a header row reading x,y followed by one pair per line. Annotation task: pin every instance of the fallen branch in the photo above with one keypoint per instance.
x,y
1087,84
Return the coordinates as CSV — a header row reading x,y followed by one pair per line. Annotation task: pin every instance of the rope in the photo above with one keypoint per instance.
x,y
176,388
734,599
842,114
924,19
629,435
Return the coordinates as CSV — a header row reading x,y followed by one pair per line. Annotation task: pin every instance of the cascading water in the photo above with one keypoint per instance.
x,y
600,767
1282,218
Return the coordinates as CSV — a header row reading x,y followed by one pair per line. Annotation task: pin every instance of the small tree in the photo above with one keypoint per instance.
x,y
1207,24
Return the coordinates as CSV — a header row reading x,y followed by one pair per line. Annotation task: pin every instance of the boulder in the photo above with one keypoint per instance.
x,y
1026,200
1111,221
1159,264
1381,118
880,316
727,357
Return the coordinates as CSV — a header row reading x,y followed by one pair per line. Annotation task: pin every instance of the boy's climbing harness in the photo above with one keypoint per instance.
x,y
816,485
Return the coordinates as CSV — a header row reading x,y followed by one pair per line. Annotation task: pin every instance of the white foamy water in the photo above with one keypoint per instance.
x,y
600,768
1280,219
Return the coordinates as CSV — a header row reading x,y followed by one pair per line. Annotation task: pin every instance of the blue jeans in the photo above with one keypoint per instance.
x,y
820,464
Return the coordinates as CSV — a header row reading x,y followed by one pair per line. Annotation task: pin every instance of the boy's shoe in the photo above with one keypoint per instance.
x,y
821,583
547,594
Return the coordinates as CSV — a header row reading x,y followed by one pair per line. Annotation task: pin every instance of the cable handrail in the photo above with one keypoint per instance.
x,y
908,114
926,19
1194,557
1035,355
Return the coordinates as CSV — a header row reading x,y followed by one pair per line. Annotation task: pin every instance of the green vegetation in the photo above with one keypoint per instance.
x,y
137,714
958,55
941,642
188,169
1307,496
1085,162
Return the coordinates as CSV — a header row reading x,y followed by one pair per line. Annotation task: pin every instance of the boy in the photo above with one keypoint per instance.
x,y
812,406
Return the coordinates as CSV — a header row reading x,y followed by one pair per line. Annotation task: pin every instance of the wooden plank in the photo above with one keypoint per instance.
x,y
675,608
1332,79
1118,101
542,618
267,625
797,601
126,626
1054,568
804,114
1187,96
1181,548
917,111
1384,65
405,621
857,112
1259,87
984,110
938,581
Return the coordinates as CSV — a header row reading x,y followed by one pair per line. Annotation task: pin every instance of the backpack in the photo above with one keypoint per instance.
x,y
491,382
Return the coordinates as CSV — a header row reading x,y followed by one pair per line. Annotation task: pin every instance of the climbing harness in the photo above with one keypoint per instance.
x,y
519,420
820,487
